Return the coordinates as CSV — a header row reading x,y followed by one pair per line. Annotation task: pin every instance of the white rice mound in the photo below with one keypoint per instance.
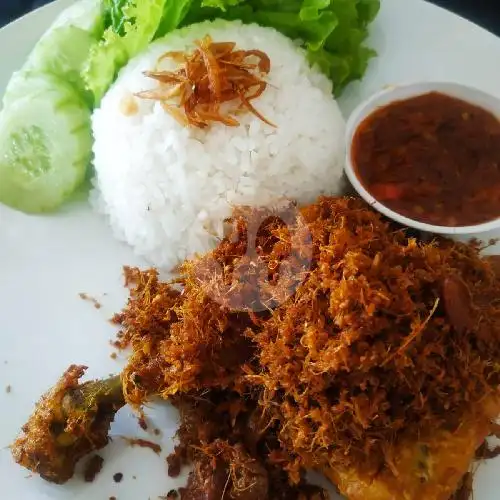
x,y
167,189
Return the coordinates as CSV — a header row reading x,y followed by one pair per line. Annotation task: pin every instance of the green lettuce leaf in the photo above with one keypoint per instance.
x,y
116,18
174,13
333,32
221,4
132,26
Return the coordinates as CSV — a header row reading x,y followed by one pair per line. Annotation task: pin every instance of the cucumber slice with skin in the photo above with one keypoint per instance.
x,y
45,148
87,15
63,53
29,84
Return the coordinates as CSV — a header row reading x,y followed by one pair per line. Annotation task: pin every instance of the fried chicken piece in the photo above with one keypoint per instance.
x,y
379,341
70,421
229,443
430,468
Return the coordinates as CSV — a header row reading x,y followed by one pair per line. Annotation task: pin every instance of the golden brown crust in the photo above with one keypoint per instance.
x,y
69,421
430,468
355,341
368,351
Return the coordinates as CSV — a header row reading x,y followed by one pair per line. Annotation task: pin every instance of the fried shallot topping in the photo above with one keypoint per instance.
x,y
215,73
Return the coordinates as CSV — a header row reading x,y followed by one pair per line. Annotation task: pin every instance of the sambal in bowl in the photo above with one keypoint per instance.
x,y
427,155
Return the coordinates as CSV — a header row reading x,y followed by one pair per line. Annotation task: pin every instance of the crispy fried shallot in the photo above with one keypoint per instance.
x,y
215,73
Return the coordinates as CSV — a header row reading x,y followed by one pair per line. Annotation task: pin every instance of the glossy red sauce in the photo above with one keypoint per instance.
x,y
433,158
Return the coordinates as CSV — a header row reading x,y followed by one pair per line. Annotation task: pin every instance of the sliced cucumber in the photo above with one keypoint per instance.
x,y
45,147
29,84
63,53
85,14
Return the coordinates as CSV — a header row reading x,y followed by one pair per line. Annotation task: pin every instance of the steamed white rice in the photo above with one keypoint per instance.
x,y
166,189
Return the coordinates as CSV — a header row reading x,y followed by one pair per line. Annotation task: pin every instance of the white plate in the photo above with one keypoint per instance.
x,y
46,261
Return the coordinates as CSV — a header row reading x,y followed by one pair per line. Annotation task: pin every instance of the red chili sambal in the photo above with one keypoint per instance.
x,y
432,158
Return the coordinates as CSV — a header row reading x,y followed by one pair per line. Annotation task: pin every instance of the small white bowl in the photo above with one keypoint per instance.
x,y
401,92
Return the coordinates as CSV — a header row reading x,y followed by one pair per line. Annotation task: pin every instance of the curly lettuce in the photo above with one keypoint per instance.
x,y
333,32
132,25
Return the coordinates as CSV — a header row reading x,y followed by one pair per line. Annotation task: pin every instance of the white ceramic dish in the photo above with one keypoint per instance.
x,y
394,93
45,261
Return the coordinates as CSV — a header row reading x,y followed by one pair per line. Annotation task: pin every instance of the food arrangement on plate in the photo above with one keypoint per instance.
x,y
293,327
